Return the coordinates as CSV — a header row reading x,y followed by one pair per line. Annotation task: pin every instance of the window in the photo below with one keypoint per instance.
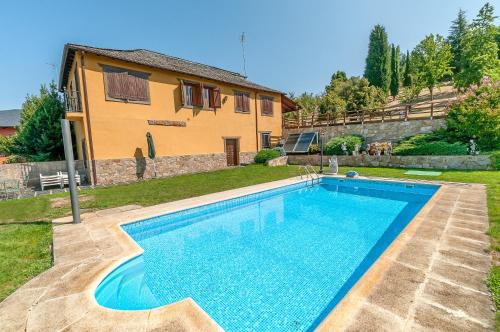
x,y
241,102
265,140
121,84
266,105
195,94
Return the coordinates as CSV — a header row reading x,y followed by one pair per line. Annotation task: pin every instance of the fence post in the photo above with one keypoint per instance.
x,y
362,117
432,110
383,112
407,111
345,115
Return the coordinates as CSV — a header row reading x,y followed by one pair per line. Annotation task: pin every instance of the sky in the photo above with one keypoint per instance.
x,y
292,46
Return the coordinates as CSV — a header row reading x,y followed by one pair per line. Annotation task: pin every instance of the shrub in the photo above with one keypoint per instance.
x,y
429,144
477,116
314,148
334,146
264,155
495,160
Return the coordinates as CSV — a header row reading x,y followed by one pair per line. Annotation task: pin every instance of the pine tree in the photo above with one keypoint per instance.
x,y
394,72
457,30
377,69
407,72
39,137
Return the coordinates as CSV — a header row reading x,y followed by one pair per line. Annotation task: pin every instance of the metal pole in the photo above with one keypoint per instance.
x,y
321,155
70,163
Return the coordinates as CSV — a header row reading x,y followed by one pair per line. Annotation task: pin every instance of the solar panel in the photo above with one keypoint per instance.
x,y
304,141
291,140
299,143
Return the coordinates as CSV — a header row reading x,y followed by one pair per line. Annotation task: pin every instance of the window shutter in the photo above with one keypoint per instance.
x,y
216,98
182,92
197,95
246,103
115,84
137,88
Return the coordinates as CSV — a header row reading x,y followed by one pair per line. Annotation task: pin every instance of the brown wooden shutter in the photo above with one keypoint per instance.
x,y
246,103
115,84
182,93
197,95
137,88
216,96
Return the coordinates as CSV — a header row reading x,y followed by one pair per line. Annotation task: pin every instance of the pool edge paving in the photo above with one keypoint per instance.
x,y
416,284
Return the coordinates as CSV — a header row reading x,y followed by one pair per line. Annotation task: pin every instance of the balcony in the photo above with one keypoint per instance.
x,y
72,101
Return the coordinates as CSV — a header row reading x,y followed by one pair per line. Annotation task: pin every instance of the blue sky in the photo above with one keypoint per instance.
x,y
291,45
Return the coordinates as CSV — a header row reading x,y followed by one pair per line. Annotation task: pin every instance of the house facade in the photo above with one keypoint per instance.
x,y
9,120
200,117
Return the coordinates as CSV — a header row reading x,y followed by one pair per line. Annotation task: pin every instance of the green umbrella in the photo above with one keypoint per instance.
x,y
151,150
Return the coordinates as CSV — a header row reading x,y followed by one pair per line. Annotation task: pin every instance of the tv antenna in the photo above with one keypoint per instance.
x,y
242,40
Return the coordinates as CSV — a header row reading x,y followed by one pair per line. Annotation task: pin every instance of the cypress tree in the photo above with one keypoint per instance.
x,y
407,72
457,30
394,72
377,69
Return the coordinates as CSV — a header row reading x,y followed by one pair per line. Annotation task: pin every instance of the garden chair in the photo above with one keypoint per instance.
x,y
65,181
50,180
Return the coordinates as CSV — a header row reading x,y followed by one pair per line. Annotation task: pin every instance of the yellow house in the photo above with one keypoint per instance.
x,y
200,117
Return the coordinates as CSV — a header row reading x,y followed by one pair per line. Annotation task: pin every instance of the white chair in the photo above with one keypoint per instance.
x,y
65,180
50,180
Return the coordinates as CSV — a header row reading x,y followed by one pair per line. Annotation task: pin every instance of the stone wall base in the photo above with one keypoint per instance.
x,y
481,162
377,132
113,171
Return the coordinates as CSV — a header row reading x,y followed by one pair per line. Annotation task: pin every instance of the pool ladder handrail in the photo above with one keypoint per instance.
x,y
308,172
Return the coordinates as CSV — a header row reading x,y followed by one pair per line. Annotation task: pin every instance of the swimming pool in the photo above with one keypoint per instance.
x,y
278,260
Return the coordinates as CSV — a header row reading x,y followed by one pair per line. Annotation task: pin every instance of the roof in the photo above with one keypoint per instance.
x,y
160,61
10,118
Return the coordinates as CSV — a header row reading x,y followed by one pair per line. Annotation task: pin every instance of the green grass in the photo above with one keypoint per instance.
x,y
24,253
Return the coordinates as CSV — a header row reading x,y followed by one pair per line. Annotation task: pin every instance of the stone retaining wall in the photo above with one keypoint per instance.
x,y
112,171
480,162
30,172
377,132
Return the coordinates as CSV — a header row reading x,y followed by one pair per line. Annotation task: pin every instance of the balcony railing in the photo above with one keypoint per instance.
x,y
72,101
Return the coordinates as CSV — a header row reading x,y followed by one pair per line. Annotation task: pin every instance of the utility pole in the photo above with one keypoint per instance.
x,y
70,164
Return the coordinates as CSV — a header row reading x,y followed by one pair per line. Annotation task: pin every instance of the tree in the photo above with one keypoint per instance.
x,y
431,60
308,103
352,94
457,34
39,137
480,50
407,72
394,72
377,69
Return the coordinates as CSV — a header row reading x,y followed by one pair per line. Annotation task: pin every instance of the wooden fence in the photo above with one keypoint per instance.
x,y
434,110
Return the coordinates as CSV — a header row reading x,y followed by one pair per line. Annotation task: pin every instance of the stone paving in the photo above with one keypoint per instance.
x,y
432,277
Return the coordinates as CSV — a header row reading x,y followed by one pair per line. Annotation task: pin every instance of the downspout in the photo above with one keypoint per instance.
x,y
256,125
87,118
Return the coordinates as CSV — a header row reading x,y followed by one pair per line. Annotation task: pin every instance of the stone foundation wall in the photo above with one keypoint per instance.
x,y
378,132
480,162
247,157
112,171
30,172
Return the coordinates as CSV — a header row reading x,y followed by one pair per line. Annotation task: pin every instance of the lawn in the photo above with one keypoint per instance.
x,y
25,233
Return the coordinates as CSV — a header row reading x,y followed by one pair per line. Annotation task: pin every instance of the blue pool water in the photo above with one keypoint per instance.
x,y
279,260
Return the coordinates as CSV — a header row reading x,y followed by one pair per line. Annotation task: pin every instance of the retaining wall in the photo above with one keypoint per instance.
x,y
30,172
377,132
481,162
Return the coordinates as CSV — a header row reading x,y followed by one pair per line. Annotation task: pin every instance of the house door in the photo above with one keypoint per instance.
x,y
232,152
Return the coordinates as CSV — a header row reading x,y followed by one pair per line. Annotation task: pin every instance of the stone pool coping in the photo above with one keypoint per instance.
x,y
431,277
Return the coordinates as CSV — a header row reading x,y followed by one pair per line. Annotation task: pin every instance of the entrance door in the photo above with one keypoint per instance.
x,y
232,151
